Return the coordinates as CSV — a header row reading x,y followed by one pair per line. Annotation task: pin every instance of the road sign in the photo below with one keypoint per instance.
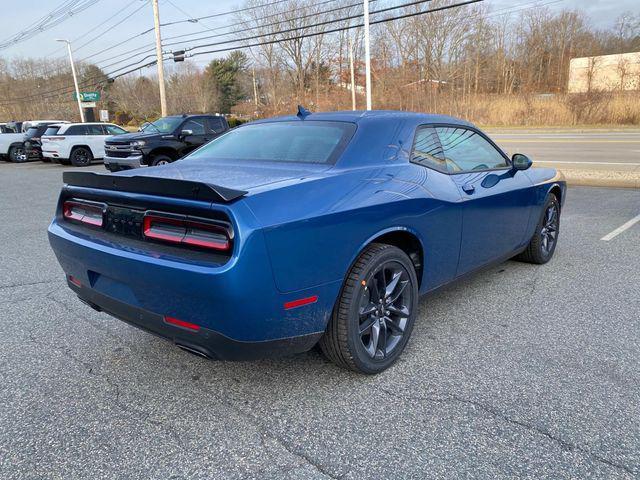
x,y
88,96
88,104
104,115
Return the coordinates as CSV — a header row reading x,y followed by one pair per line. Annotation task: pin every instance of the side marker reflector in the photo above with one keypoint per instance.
x,y
75,281
300,302
182,324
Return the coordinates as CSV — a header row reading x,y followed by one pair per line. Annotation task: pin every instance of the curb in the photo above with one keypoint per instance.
x,y
601,179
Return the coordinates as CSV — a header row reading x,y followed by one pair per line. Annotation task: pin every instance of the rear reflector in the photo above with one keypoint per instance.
x,y
182,324
300,302
75,281
81,212
185,232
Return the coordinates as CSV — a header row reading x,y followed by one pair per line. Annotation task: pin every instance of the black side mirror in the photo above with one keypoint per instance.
x,y
520,162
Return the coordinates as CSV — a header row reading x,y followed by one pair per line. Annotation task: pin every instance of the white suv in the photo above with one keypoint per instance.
x,y
77,143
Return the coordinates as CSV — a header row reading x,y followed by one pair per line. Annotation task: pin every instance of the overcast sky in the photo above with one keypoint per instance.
x,y
85,24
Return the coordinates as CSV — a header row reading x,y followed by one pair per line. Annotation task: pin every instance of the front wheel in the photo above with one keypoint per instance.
x,y
161,160
543,243
18,154
374,315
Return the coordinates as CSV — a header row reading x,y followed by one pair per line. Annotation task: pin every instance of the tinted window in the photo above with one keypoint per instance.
x,y
94,130
76,130
427,150
308,142
466,150
31,132
113,130
196,126
51,130
216,125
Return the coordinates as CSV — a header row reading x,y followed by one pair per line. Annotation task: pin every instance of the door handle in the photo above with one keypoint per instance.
x,y
468,188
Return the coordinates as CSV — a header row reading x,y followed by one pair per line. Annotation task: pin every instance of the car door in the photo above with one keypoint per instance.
x,y
198,134
496,199
94,138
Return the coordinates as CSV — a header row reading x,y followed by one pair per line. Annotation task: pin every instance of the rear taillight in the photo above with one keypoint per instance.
x,y
186,231
84,212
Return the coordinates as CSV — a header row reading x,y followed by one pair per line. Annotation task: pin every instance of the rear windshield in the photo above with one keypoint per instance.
x,y
31,132
51,131
306,142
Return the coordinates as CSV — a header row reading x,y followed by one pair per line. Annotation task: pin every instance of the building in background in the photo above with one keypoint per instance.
x,y
605,73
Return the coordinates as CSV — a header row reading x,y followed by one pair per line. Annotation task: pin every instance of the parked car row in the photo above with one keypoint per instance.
x,y
156,143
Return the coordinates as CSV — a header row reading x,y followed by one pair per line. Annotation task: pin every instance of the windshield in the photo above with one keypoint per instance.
x,y
51,131
307,142
163,125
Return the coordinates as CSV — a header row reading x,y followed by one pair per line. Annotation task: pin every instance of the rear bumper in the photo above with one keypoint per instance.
x,y
237,306
126,162
205,342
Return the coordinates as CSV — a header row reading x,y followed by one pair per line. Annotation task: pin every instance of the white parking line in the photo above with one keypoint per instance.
x,y
621,229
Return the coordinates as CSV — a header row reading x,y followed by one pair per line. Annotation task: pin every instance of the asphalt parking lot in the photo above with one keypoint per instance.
x,y
520,371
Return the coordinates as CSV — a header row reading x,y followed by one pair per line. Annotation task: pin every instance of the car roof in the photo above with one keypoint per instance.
x,y
359,116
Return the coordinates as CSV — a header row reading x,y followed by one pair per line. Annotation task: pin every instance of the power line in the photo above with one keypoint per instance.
x,y
62,13
93,29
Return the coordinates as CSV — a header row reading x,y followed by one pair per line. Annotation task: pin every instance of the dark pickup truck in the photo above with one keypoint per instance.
x,y
163,141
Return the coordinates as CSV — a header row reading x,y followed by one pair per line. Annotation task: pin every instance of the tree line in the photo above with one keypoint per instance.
x,y
500,66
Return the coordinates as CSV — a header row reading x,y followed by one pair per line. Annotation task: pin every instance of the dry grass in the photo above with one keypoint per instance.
x,y
592,109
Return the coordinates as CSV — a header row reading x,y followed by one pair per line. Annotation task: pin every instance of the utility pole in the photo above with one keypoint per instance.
x,y
353,76
75,79
367,54
156,24
255,87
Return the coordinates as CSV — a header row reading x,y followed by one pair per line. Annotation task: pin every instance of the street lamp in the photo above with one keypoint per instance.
x,y
75,80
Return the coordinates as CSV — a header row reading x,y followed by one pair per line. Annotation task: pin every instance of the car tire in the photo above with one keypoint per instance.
x,y
161,160
543,243
112,168
81,157
375,312
17,154
46,159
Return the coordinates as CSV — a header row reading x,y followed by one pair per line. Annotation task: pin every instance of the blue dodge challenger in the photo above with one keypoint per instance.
x,y
318,228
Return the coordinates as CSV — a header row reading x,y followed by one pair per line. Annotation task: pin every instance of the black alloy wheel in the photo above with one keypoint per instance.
x,y
545,239
385,308
18,154
374,315
81,157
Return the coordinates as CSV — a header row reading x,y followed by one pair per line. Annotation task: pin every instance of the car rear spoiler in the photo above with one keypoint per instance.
x,y
168,187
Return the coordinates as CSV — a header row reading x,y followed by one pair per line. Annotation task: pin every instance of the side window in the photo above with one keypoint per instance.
x,y
94,130
466,150
113,130
196,126
427,150
76,130
216,125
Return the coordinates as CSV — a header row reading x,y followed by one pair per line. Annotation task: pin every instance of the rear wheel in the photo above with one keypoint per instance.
x,y
18,154
543,243
81,157
161,160
373,318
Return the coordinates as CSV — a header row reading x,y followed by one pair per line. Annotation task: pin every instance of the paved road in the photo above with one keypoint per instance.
x,y
611,151
521,371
